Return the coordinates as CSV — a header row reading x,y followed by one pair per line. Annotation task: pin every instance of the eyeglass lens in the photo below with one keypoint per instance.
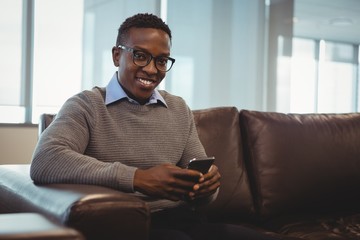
x,y
142,59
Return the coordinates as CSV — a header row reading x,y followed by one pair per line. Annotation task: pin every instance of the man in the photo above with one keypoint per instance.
x,y
130,136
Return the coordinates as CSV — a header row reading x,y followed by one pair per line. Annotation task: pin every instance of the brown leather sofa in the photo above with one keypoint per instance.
x,y
293,176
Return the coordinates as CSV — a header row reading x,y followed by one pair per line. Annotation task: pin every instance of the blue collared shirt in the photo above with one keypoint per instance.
x,y
115,92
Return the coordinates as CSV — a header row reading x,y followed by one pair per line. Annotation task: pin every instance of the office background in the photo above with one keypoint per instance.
x,y
279,55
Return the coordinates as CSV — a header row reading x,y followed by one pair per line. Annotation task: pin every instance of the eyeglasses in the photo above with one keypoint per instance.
x,y
142,59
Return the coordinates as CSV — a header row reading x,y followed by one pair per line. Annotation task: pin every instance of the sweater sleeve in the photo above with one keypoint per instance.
x,y
59,155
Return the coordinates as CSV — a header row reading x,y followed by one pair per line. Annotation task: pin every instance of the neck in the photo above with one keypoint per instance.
x,y
140,101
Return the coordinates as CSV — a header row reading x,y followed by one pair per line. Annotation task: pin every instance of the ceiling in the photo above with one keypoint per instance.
x,y
336,20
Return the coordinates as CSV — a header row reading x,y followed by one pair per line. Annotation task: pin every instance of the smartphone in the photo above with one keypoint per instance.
x,y
201,164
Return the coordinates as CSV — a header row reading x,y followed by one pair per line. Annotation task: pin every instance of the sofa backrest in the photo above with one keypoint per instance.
x,y
302,162
44,122
219,132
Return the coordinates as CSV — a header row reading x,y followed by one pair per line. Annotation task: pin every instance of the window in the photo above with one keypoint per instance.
x,y
11,102
41,60
57,55
66,47
337,78
324,76
50,50
303,83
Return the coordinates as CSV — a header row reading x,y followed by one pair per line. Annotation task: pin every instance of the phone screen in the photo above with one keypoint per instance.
x,y
202,165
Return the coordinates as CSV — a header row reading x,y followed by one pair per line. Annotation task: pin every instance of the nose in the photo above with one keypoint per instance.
x,y
150,68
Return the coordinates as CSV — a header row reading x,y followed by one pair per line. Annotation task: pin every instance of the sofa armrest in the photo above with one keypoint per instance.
x,y
97,212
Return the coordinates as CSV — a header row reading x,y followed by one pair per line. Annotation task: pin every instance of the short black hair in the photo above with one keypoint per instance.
x,y
141,20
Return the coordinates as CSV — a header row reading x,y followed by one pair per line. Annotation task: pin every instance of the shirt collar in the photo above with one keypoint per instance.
x,y
115,92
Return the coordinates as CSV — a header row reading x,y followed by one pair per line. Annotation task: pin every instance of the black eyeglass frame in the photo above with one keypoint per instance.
x,y
134,51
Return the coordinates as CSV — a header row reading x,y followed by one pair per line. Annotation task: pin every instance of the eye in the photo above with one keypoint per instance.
x,y
138,55
162,61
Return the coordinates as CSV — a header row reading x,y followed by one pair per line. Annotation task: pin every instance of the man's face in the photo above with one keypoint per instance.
x,y
141,81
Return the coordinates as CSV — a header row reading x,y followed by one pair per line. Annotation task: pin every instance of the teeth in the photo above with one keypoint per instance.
x,y
146,82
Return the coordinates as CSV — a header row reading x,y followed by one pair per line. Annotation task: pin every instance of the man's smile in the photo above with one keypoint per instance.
x,y
146,82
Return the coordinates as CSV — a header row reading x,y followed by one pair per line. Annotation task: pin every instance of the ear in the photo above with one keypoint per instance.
x,y
116,56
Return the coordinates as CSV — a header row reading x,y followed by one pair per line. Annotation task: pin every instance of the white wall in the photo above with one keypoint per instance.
x,y
17,143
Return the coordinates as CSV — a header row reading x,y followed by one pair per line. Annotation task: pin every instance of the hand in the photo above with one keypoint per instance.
x,y
166,181
207,185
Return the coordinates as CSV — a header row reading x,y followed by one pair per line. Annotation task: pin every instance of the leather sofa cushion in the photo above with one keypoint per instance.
x,y
302,162
90,209
219,132
319,227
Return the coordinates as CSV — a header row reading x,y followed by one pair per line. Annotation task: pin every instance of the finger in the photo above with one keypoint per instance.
x,y
189,174
202,195
180,186
211,179
211,173
208,190
211,176
174,193
183,184
205,191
